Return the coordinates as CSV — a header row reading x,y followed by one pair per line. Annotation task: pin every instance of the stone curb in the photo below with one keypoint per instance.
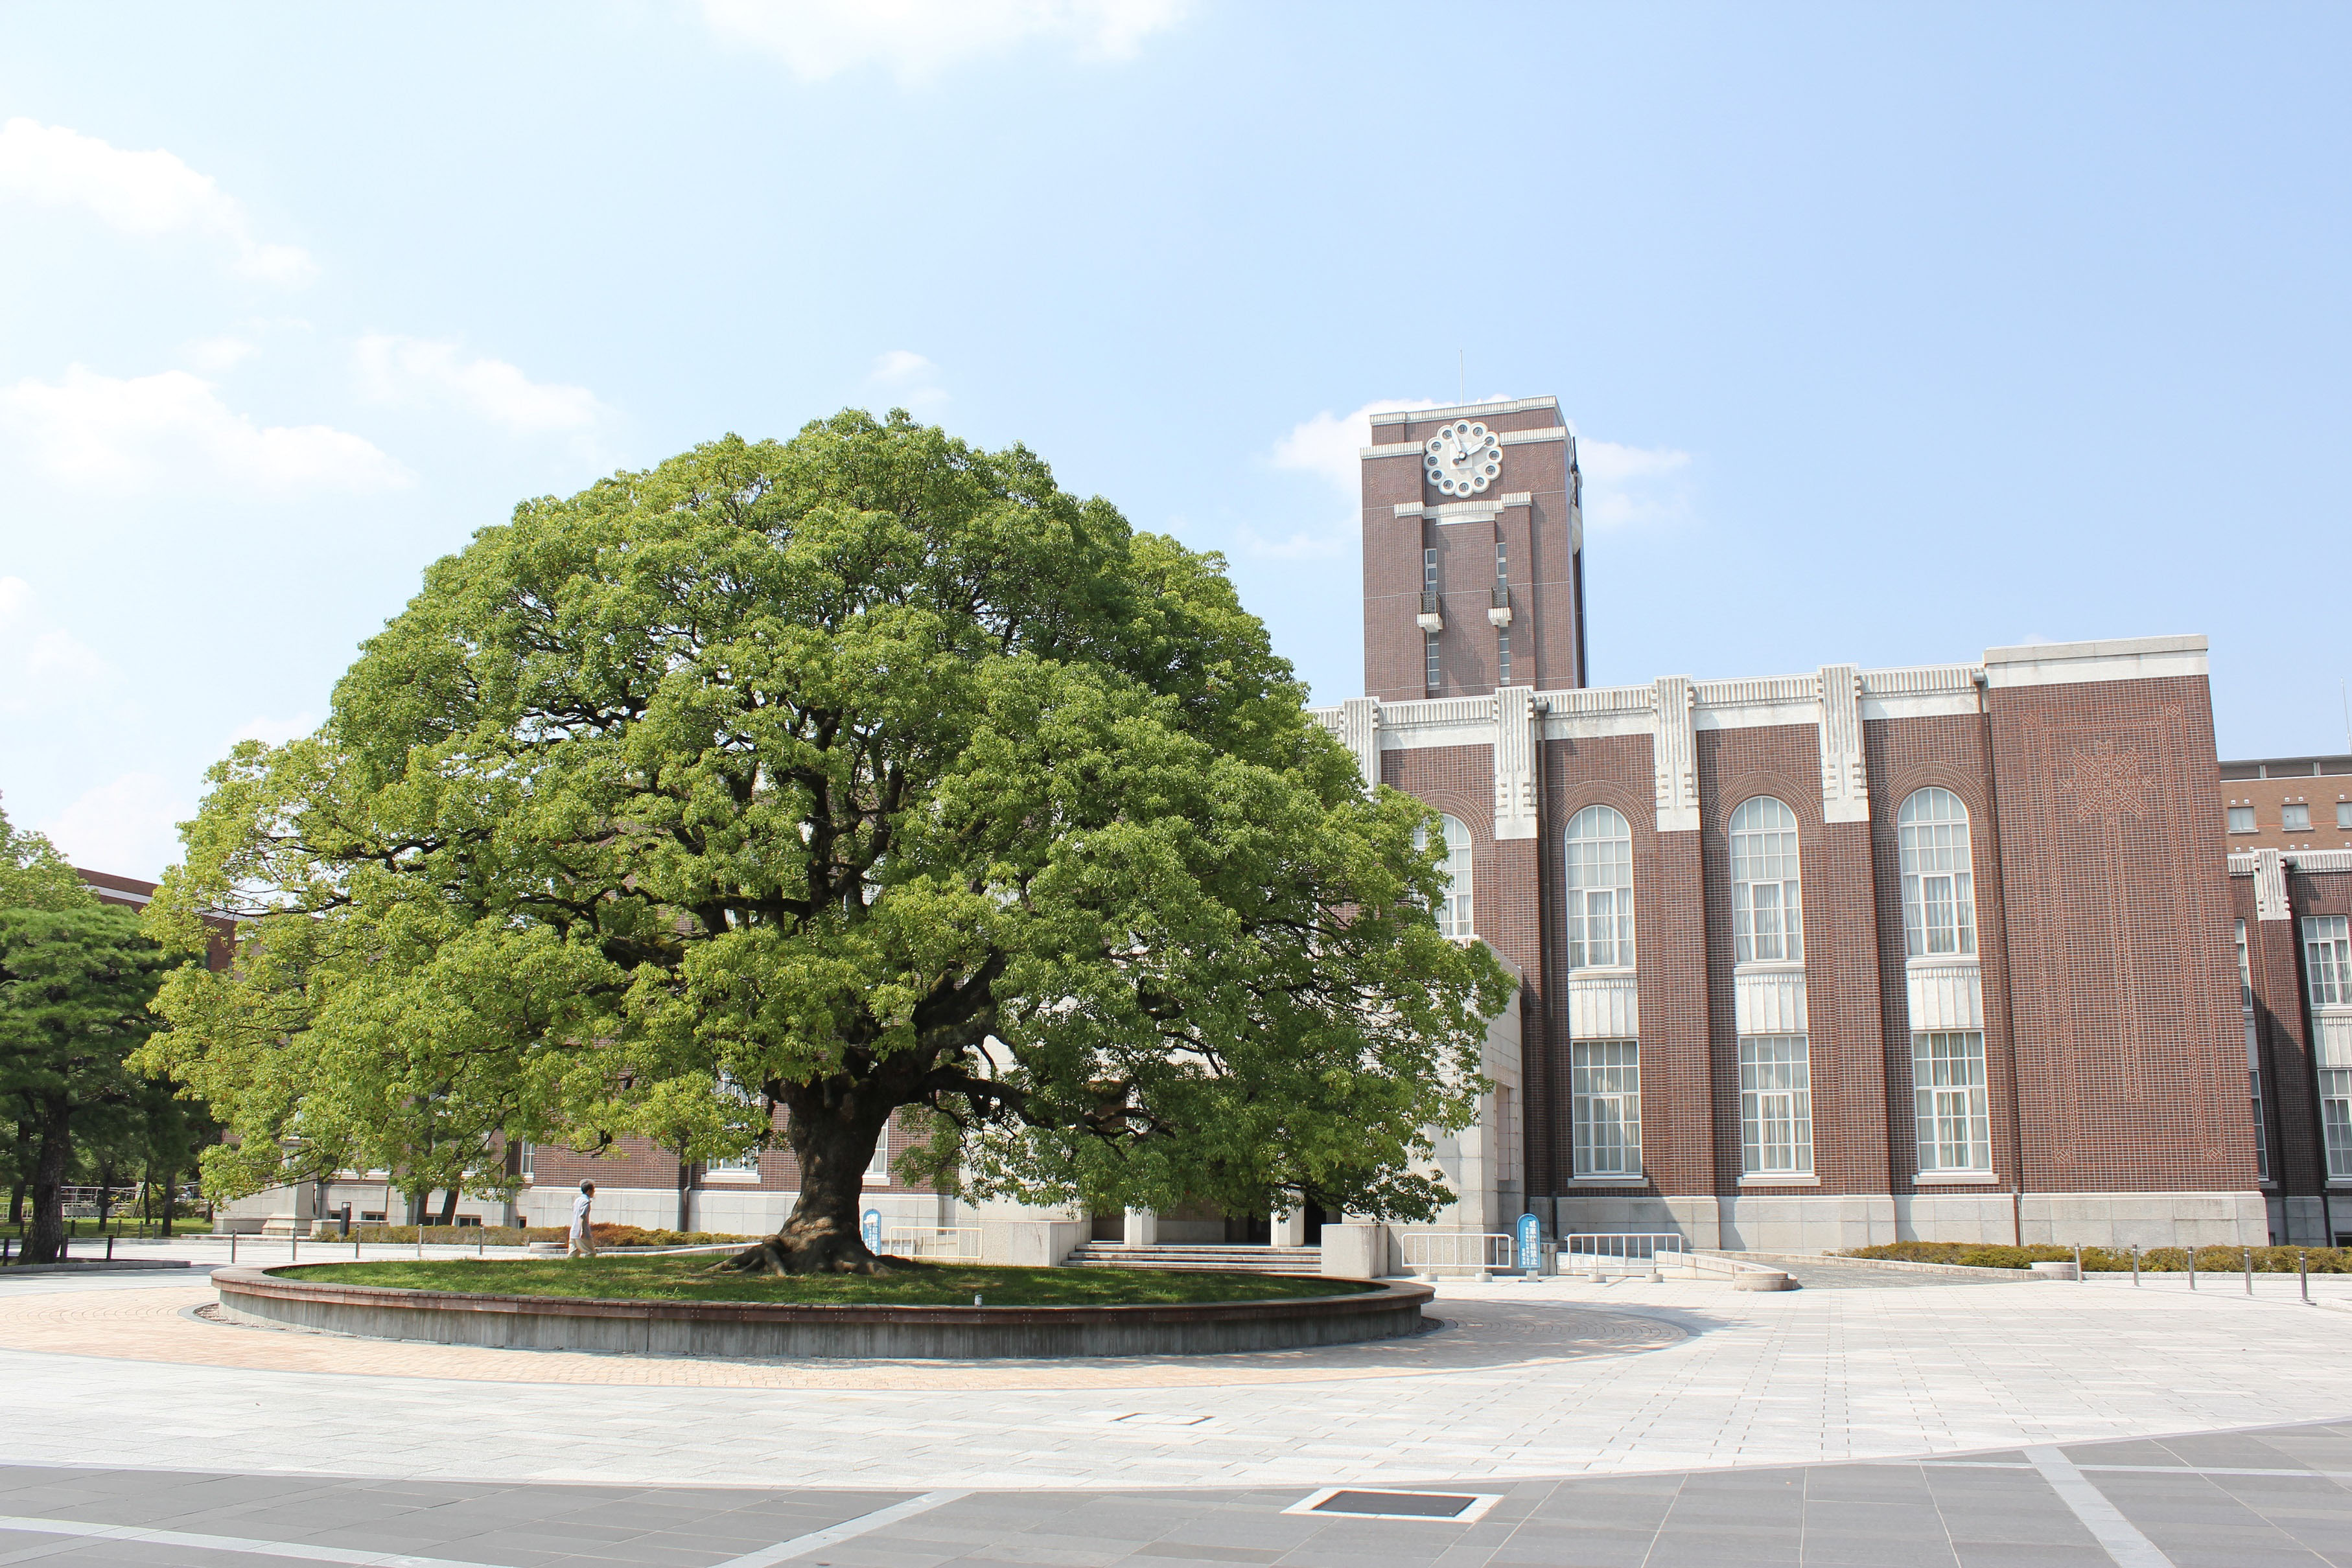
x,y
94,1266
1904,1265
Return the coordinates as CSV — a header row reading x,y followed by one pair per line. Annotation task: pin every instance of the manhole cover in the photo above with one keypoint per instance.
x,y
1454,1507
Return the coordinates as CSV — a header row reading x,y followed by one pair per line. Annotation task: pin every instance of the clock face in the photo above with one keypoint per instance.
x,y
1462,459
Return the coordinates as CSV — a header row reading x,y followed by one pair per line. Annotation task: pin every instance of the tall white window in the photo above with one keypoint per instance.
x,y
1604,1081
1503,650
1429,571
1948,1095
877,1168
2253,1055
1767,919
1429,650
1940,901
2343,813
2336,1120
1776,1105
1454,908
523,1158
2327,959
1599,890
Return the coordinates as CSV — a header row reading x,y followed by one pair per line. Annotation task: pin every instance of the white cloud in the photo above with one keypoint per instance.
x,y
397,370
917,39
1332,444
128,826
221,353
44,666
172,431
276,731
910,380
1632,487
147,196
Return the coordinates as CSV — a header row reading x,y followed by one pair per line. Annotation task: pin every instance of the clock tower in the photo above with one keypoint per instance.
x,y
1473,551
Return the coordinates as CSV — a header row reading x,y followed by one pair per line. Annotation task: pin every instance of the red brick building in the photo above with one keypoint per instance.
x,y
1807,961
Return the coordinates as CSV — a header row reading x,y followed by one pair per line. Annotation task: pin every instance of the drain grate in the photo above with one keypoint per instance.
x,y
1447,1506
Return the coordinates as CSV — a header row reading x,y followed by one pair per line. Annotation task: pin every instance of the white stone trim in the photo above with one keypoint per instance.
x,y
1604,1003
1944,993
1359,732
1779,1178
1525,437
1519,498
1757,701
1846,784
1433,415
1955,1179
1390,449
1769,1001
1674,757
2331,1037
2270,886
2120,659
1597,711
1920,691
1515,763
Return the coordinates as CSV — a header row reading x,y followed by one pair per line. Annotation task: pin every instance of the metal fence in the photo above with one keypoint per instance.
x,y
959,1243
1479,1252
1621,1252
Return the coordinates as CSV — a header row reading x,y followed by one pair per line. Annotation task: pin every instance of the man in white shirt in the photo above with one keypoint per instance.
x,y
584,1235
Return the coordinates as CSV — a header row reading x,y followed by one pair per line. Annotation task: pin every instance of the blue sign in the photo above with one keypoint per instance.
x,y
1530,1241
869,1230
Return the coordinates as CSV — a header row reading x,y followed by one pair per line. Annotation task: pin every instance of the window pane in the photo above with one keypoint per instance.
x,y
1939,912
1776,1105
1954,1126
1605,1106
2336,1120
1600,889
2327,959
2296,818
2241,819
2343,813
1765,906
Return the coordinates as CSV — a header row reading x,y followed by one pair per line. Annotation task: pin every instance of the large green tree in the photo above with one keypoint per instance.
x,y
861,774
75,985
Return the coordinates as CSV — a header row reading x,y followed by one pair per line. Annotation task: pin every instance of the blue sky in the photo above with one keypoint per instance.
x,y
1891,332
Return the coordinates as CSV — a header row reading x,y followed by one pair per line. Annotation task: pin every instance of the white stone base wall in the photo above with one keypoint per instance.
x,y
2145,1219
1833,1222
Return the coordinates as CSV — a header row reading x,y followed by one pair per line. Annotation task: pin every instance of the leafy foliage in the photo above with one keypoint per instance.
x,y
860,773
2114,1260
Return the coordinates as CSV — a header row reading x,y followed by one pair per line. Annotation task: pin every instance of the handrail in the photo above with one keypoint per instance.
x,y
1480,1251
958,1241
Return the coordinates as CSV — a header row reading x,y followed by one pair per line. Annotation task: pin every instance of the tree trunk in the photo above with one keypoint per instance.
x,y
171,1190
105,1194
834,1143
449,1208
45,1242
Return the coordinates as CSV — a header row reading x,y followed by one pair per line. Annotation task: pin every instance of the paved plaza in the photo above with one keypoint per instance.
x,y
1873,1416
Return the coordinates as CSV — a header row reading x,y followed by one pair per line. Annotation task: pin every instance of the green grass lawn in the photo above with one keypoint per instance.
x,y
688,1279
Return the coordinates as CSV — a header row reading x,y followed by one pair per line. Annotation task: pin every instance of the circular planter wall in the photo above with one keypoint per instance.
x,y
803,1331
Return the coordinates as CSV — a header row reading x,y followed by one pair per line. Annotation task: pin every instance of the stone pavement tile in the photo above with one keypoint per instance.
x,y
1184,1553
2238,1557
2030,1555
2050,1522
1838,1549
1867,1483
1694,1551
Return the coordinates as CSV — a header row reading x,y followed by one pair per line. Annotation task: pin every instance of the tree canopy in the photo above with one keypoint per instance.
x,y
862,773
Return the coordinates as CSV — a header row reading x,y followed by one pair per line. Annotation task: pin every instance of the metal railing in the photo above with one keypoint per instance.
x,y
1479,1252
958,1242
1621,1252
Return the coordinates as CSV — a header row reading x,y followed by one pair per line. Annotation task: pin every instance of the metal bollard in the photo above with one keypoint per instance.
x,y
355,1249
2250,1270
2134,1265
293,1249
2192,1267
2078,1262
110,1249
2303,1268
232,1246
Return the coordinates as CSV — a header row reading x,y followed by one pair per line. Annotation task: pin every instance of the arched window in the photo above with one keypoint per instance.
x,y
1599,890
1940,901
1768,916
1454,908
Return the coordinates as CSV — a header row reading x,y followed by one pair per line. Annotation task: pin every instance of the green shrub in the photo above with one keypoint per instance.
x,y
2113,1260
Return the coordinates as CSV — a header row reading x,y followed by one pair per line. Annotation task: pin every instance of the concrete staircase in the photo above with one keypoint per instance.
x,y
1210,1260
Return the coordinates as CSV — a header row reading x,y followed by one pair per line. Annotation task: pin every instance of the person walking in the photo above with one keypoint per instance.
x,y
583,1234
